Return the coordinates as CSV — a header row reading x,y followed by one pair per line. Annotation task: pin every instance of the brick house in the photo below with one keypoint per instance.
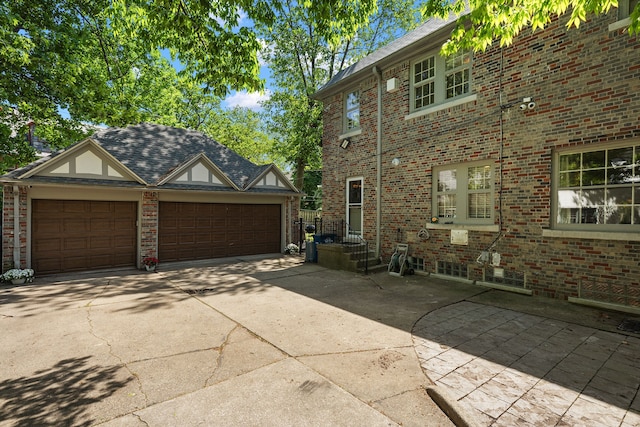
x,y
527,157
146,190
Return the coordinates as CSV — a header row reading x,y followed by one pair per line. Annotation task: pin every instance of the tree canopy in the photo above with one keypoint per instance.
x,y
502,20
304,53
68,62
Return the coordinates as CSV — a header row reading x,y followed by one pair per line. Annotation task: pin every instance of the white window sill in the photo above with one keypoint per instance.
x,y
598,235
470,227
444,106
349,134
623,23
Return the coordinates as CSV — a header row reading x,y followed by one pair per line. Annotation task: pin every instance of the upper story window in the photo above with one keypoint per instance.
x,y
625,8
352,111
463,194
599,189
435,79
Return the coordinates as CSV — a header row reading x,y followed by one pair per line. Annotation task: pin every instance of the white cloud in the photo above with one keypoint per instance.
x,y
265,51
244,99
242,17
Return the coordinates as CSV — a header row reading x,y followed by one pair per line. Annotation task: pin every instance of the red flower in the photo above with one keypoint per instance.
x,y
151,261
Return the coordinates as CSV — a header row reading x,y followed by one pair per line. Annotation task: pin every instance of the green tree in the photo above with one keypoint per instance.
x,y
502,20
304,53
241,129
65,62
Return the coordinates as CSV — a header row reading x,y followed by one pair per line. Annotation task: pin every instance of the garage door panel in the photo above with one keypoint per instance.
x,y
214,230
74,244
101,224
47,226
71,208
75,263
203,223
123,241
50,265
186,238
170,224
99,207
72,235
101,243
74,225
186,223
48,245
203,238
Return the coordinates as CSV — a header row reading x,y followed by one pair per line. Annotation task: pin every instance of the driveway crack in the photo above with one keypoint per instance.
x,y
122,363
220,349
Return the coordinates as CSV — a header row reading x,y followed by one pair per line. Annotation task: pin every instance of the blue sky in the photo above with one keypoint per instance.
x,y
242,98
250,100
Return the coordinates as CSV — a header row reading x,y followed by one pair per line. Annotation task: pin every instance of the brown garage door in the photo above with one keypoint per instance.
x,y
189,231
74,235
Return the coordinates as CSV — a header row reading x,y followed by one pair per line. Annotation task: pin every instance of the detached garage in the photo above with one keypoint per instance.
x,y
147,190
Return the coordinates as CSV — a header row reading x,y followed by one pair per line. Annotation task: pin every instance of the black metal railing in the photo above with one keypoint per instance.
x,y
320,231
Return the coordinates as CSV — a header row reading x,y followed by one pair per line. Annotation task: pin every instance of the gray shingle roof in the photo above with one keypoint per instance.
x,y
154,151
404,43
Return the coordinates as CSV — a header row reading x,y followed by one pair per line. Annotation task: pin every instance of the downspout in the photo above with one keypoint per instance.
x,y
16,226
376,71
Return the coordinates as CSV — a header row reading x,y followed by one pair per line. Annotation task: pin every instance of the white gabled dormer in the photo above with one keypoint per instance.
x,y
198,174
198,171
86,160
272,178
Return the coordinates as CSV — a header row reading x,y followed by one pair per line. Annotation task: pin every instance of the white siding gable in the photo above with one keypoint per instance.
x,y
85,164
271,180
198,174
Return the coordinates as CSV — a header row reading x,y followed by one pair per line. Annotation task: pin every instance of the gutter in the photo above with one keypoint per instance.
x,y
377,72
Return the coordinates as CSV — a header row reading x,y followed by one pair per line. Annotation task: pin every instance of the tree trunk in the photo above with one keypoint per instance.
x,y
300,165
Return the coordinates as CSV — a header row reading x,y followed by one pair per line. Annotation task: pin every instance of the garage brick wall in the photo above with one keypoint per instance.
x,y
8,222
149,225
586,83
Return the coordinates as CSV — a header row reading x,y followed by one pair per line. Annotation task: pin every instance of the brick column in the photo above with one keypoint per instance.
x,y
149,225
9,240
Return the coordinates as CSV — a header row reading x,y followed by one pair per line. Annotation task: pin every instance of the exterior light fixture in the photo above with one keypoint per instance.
x,y
395,161
527,104
345,143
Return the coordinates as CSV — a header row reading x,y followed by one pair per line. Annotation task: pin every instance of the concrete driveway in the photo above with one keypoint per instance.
x,y
265,341
245,342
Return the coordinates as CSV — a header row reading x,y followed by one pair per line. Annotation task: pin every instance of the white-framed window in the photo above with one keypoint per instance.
x,y
436,79
625,8
352,111
598,188
463,193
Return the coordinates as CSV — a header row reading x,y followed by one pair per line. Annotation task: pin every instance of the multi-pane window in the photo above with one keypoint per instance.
x,y
599,187
464,193
457,70
436,79
424,73
352,111
479,201
625,8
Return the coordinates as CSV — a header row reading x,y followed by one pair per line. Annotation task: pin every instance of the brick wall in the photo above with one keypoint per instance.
x,y
586,84
8,222
149,225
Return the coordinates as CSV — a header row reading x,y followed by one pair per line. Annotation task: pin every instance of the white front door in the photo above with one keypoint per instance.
x,y
354,206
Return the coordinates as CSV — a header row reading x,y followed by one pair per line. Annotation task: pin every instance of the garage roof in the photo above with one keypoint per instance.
x,y
157,155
